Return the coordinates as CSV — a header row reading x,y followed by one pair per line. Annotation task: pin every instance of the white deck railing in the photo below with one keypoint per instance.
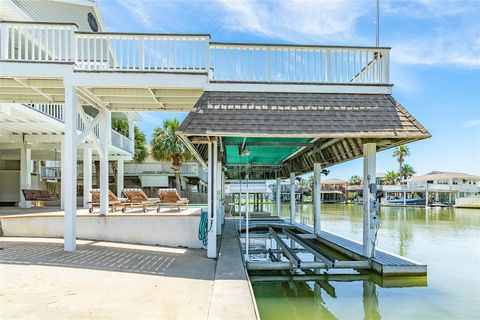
x,y
56,111
194,54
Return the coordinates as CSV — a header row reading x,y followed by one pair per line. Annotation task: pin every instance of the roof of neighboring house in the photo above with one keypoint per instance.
x,y
301,115
333,181
435,175
60,11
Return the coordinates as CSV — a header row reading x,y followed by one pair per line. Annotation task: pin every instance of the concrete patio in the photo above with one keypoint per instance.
x,y
102,281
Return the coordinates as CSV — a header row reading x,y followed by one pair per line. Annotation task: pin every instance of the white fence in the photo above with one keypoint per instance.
x,y
194,54
56,111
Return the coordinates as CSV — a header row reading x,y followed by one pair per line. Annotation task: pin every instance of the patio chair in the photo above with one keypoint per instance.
x,y
136,197
171,197
113,201
38,197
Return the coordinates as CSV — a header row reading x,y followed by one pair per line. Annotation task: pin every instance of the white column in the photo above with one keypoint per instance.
x,y
436,196
449,197
87,176
105,136
62,180
120,176
25,174
317,198
292,198
212,208
218,192
369,163
404,198
426,198
278,199
69,167
131,131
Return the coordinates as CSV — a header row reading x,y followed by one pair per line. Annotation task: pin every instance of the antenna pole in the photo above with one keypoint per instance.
x,y
378,24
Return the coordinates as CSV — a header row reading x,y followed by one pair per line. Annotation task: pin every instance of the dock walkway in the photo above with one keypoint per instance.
x,y
231,296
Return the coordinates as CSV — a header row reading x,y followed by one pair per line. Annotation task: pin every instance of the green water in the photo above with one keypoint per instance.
x,y
447,240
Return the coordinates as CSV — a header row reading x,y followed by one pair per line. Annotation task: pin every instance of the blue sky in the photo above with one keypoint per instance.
x,y
435,57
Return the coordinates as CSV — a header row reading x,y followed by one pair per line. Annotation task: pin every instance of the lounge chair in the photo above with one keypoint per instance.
x,y
136,197
38,197
113,201
171,197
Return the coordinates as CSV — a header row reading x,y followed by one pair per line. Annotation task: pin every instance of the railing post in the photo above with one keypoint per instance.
x,y
142,59
73,46
328,66
5,40
268,64
387,66
207,58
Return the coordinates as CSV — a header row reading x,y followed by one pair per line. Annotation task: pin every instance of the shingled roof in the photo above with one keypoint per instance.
x,y
301,115
330,128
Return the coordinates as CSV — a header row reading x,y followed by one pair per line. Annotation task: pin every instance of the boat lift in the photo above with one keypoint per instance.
x,y
322,259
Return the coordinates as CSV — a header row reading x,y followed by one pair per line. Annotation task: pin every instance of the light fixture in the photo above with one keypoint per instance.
x,y
325,172
245,152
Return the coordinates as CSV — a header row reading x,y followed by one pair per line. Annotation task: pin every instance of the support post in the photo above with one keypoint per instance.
x,y
87,176
105,136
62,174
212,201
426,198
69,167
218,192
369,163
25,174
404,198
120,174
292,198
131,130
278,198
317,199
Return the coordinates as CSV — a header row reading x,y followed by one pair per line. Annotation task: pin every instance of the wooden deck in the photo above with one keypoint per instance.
x,y
385,263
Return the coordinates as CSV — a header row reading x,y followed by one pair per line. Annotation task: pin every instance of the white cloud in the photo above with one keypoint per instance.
x,y
435,33
447,49
293,20
473,123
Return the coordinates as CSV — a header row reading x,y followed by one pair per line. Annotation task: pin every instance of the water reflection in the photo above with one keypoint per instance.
x,y
313,298
433,236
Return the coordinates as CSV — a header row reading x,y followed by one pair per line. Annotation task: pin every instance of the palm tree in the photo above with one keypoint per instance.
x,y
391,177
407,171
167,146
355,180
400,153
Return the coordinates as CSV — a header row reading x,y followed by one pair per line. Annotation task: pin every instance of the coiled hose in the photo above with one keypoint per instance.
x,y
203,227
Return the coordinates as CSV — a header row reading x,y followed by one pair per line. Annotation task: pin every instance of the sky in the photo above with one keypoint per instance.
x,y
435,57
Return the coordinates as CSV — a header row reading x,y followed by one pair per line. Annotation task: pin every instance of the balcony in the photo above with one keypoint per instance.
x,y
186,169
223,62
56,111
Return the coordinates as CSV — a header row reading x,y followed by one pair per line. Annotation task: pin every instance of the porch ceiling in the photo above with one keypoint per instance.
x,y
51,90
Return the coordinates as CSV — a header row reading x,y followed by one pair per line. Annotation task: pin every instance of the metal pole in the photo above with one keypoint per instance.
x,y
378,25
317,197
278,198
369,154
292,198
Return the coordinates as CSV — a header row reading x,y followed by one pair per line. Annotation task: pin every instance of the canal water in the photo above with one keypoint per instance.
x,y
447,240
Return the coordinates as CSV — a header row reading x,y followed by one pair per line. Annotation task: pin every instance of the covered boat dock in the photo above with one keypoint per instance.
x,y
276,135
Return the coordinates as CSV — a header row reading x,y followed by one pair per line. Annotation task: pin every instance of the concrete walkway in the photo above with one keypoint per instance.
x,y
102,280
231,298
